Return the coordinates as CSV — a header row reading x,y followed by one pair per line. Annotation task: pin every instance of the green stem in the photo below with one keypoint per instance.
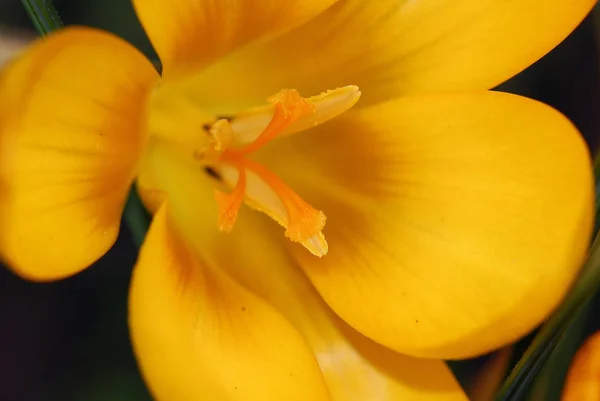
x,y
597,175
43,15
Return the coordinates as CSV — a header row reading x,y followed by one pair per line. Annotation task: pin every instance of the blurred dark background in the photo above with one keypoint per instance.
x,y
68,340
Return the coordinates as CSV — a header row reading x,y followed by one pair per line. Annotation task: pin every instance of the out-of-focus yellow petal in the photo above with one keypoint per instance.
x,y
455,222
394,47
71,132
354,367
200,335
583,380
188,35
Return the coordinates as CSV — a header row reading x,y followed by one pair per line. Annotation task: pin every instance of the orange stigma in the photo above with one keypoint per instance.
x,y
304,221
289,107
255,184
229,204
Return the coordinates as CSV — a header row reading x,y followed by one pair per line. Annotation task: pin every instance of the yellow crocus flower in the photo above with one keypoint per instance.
x,y
424,217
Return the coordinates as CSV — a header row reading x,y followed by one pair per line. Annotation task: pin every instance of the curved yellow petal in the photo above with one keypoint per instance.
x,y
355,368
71,132
455,222
188,35
583,380
199,335
394,47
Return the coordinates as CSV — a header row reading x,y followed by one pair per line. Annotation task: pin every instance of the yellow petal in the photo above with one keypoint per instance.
x,y
447,216
392,47
188,35
583,380
199,335
71,131
355,368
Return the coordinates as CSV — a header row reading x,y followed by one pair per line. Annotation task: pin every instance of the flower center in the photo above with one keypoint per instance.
x,y
233,141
